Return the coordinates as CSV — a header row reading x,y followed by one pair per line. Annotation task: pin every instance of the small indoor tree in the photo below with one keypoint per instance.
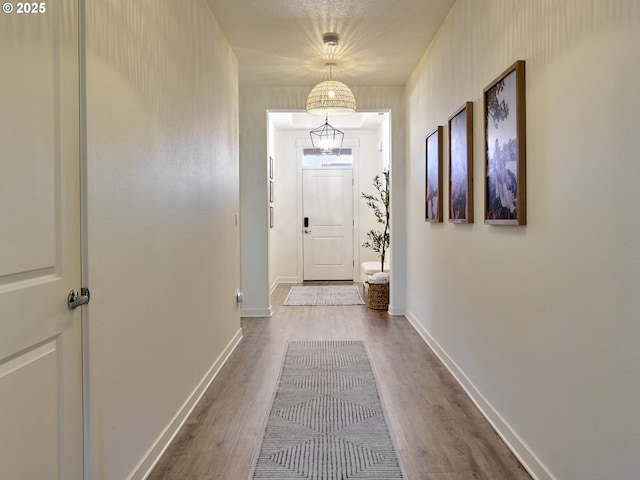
x,y
379,241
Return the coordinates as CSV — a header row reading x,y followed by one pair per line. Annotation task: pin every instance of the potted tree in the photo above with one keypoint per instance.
x,y
379,240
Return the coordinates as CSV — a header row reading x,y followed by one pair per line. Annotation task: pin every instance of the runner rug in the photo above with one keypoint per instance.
x,y
327,420
324,295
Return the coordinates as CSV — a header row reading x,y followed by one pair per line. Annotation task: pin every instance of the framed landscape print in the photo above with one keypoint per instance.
x,y
505,201
433,181
461,165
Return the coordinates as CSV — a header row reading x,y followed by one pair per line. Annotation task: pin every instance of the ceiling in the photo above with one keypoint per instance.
x,y
304,121
279,42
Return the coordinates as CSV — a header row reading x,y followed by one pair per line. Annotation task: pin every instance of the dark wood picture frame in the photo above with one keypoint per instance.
x,y
461,165
505,199
433,176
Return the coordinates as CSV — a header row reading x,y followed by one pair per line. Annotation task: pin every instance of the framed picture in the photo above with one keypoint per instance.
x,y
271,167
505,201
271,191
433,181
461,165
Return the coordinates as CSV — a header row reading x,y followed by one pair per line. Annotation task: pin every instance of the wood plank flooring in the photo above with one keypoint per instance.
x,y
439,433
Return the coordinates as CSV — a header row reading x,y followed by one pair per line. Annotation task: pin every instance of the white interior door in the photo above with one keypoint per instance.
x,y
327,203
40,337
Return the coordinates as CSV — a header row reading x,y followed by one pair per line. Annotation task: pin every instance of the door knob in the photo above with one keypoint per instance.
x,y
306,230
75,299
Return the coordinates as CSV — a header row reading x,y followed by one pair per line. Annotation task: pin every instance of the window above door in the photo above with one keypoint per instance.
x,y
313,158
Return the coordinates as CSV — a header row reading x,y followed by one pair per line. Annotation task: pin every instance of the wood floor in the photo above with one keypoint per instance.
x,y
439,433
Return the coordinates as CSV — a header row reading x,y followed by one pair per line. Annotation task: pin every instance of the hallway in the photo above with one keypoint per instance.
x,y
438,431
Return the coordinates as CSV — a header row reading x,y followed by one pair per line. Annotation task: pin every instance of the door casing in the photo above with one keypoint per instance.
x,y
354,144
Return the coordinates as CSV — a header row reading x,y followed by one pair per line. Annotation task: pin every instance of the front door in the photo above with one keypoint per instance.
x,y
40,337
327,204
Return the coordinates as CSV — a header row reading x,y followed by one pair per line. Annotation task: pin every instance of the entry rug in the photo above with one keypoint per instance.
x,y
324,295
327,420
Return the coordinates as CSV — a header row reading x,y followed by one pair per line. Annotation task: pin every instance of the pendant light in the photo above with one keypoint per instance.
x,y
331,97
327,139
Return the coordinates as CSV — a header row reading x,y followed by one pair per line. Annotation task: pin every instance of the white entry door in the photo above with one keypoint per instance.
x,y
327,198
40,337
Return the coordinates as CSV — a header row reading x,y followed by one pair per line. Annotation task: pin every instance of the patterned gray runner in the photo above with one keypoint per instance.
x,y
327,421
324,295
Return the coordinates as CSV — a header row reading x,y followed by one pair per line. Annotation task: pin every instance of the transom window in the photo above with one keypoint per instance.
x,y
314,158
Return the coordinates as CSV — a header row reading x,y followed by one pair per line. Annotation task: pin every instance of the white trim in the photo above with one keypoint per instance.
x,y
518,447
256,312
280,280
395,311
149,461
394,308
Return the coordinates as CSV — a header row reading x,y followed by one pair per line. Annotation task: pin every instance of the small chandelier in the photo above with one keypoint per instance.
x,y
327,139
331,97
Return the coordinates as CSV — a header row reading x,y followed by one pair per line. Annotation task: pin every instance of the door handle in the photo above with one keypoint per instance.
x,y
75,299
306,230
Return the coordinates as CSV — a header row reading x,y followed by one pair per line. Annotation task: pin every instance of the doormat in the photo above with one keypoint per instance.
x,y
327,420
324,295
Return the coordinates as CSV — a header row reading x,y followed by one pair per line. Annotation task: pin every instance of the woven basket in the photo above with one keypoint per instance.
x,y
379,296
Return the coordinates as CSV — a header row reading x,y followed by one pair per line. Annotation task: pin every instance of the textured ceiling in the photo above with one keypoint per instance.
x,y
279,42
302,120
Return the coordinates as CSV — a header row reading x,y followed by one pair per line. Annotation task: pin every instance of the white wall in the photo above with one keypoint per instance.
x,y
163,249
372,162
284,238
284,241
254,103
280,182
540,323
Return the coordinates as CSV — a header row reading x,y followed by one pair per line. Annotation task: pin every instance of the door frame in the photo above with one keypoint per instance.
x,y
84,233
354,144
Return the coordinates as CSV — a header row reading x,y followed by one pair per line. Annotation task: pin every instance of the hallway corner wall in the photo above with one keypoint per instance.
x,y
163,244
254,210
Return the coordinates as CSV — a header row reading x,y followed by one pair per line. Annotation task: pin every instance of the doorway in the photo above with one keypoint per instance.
x,y
367,141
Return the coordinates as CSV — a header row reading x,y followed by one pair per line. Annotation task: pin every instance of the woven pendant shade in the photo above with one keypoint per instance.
x,y
331,97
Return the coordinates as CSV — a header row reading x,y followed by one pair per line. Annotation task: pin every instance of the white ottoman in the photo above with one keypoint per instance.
x,y
367,269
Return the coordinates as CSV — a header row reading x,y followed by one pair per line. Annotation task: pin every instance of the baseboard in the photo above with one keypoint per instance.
x,y
280,280
395,311
149,461
256,312
525,456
